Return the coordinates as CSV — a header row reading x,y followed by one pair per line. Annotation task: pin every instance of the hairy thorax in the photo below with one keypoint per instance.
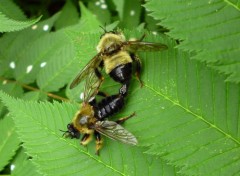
x,y
84,119
120,58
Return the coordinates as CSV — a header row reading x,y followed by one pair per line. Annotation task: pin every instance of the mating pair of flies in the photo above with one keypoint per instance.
x,y
117,56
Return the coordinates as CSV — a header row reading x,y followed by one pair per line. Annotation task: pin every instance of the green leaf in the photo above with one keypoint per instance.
x,y
9,25
192,114
38,126
185,112
10,9
101,10
119,7
62,60
34,96
41,53
129,12
14,45
12,89
22,165
88,21
69,16
9,141
208,27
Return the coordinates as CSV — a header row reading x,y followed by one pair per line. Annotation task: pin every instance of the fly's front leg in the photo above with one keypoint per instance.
x,y
86,139
99,142
123,119
138,67
103,94
99,75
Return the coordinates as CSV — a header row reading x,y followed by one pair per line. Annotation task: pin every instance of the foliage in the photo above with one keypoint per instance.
x,y
209,27
187,115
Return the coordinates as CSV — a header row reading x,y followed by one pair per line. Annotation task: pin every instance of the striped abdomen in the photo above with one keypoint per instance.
x,y
109,105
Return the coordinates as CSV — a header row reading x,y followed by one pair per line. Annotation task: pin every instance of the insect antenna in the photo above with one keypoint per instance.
x,y
64,132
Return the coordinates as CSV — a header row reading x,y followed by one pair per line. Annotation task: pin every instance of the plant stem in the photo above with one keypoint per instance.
x,y
33,89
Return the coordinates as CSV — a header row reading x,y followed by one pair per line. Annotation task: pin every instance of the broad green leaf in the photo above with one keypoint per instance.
x,y
57,71
38,126
186,113
209,27
41,53
14,45
9,141
69,16
10,9
8,25
10,88
88,21
34,96
119,7
101,10
22,165
129,12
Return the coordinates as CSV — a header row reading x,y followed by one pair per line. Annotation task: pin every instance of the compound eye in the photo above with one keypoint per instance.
x,y
84,120
68,126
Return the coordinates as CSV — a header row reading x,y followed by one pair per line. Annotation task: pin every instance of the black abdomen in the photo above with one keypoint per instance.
x,y
109,105
122,73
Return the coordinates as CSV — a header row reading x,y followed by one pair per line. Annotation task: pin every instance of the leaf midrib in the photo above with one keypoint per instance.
x,y
7,138
192,113
70,144
231,4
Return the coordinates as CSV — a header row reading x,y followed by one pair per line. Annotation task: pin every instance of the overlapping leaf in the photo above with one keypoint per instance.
x,y
22,165
59,70
10,9
9,141
209,27
14,45
9,25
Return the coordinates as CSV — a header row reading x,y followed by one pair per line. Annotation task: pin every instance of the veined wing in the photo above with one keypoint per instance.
x,y
115,131
134,46
92,84
88,69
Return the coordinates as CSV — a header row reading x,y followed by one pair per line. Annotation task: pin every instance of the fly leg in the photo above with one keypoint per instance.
x,y
123,119
86,139
103,94
93,101
99,75
99,142
138,67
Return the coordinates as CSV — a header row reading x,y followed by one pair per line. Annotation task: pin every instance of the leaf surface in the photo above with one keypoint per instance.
x,y
9,141
9,25
22,165
186,113
38,126
209,28
14,45
10,9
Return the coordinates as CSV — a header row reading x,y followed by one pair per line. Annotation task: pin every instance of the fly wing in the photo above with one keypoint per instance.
x,y
134,46
87,70
115,131
92,84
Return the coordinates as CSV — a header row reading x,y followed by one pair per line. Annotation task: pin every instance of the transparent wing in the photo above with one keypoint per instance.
x,y
115,131
92,84
88,69
133,46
